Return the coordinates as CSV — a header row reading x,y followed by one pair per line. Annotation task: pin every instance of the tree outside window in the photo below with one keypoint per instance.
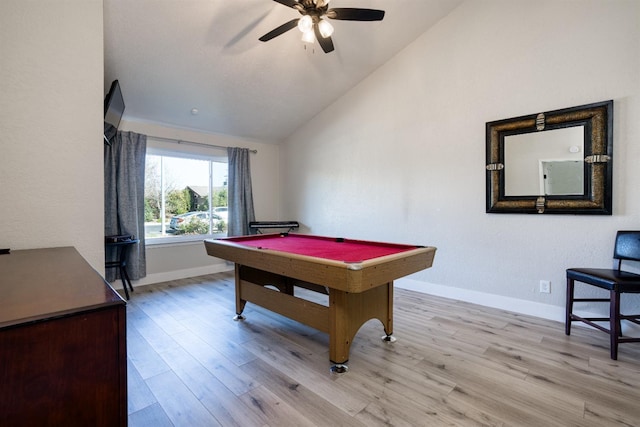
x,y
184,197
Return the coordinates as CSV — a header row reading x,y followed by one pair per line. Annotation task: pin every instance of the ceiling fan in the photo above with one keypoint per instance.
x,y
314,26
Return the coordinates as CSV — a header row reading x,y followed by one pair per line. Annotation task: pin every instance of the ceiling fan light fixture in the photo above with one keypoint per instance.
x,y
313,23
325,28
305,24
308,37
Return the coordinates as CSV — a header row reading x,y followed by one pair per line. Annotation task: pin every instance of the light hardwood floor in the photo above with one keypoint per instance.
x,y
453,364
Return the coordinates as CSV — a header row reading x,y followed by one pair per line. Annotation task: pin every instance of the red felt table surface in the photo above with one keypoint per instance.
x,y
323,247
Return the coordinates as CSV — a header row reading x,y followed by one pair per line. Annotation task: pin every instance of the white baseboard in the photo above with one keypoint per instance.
x,y
531,308
176,275
545,311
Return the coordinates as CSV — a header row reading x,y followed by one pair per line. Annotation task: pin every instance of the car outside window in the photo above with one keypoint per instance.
x,y
185,198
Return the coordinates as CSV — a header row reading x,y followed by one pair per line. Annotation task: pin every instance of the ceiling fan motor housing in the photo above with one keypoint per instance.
x,y
309,7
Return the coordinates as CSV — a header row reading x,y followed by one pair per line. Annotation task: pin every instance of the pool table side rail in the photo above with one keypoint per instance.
x,y
349,277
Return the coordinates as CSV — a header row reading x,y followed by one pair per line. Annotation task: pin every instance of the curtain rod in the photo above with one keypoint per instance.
x,y
201,144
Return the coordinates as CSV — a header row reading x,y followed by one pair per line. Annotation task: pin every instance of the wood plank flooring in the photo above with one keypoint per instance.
x,y
453,364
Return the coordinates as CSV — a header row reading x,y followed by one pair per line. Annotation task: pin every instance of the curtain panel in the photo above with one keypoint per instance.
x,y
124,167
240,197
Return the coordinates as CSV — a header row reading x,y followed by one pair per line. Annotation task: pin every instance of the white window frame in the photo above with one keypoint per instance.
x,y
187,151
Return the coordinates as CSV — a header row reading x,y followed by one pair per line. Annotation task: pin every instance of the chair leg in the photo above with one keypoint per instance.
x,y
569,309
126,275
123,277
614,319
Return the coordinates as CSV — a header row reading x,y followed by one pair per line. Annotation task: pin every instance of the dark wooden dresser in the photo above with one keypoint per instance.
x,y
63,357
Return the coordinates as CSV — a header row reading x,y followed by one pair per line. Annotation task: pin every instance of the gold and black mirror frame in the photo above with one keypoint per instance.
x,y
555,162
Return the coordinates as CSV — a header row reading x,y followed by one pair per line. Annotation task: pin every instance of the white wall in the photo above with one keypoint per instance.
x,y
175,261
51,126
401,157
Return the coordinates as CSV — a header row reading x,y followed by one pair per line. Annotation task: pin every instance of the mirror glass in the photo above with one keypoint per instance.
x,y
553,162
545,163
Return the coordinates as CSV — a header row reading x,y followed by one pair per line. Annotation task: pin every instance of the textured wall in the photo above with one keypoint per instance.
x,y
51,182
401,156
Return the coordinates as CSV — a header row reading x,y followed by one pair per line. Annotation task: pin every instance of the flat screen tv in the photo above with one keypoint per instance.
x,y
113,110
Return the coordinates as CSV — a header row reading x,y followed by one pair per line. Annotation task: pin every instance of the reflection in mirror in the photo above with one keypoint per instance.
x,y
562,177
554,162
545,163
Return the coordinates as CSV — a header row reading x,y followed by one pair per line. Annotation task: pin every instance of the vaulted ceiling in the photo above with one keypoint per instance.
x,y
173,56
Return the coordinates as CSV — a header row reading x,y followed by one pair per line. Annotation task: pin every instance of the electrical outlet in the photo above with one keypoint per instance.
x,y
545,286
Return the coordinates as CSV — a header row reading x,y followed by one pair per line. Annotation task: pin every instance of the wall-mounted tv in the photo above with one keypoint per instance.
x,y
113,110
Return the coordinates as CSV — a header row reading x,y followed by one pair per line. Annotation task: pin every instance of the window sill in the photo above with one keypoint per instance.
x,y
158,242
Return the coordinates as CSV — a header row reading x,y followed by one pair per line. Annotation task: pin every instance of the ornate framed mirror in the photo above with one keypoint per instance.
x,y
557,162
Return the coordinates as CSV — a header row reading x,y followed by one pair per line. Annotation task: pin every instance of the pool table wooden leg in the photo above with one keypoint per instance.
x,y
339,330
388,319
240,303
349,311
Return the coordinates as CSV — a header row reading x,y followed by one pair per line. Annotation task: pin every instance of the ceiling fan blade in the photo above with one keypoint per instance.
x,y
355,14
280,30
289,3
325,43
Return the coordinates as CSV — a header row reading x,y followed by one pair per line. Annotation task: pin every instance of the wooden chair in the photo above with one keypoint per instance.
x,y
616,281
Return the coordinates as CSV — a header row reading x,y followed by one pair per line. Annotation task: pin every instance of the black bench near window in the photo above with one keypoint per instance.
x,y
258,226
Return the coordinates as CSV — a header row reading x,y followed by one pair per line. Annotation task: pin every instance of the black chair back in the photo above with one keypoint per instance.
x,y
627,246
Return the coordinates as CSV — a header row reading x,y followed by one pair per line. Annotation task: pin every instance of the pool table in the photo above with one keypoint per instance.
x,y
357,275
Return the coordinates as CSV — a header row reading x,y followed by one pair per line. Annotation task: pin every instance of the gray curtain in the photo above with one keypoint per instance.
x,y
124,162
240,201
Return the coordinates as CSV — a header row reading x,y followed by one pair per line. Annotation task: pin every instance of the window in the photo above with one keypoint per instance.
x,y
185,195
